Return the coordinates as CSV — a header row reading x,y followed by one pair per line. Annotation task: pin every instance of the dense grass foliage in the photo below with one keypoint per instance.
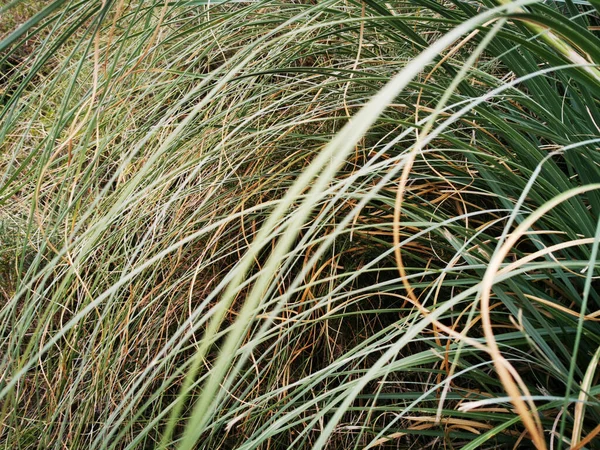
x,y
264,225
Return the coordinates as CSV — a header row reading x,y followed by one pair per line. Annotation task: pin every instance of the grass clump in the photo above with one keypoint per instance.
x,y
328,224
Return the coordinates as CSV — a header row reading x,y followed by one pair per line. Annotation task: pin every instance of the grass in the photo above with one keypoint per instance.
x,y
330,224
18,14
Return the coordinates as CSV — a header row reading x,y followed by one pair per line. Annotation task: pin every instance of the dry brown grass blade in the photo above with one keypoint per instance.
x,y
587,439
509,377
397,435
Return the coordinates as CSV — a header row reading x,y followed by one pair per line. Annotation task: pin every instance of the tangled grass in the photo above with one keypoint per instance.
x,y
333,224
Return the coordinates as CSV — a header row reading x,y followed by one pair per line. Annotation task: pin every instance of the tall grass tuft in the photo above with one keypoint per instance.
x,y
267,224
